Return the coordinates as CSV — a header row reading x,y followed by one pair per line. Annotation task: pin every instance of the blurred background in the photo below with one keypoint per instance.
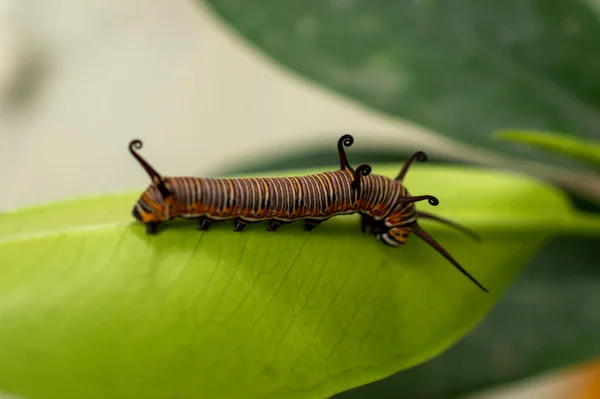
x,y
228,86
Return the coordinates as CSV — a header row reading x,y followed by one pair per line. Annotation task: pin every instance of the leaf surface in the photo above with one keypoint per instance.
x,y
544,322
92,307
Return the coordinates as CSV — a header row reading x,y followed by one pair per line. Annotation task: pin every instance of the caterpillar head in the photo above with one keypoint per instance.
x,y
156,203
392,236
151,206
395,228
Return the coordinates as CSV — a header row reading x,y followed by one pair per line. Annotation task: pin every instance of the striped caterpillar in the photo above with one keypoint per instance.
x,y
385,206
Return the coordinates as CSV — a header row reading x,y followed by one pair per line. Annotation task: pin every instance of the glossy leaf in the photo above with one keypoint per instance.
x,y
560,284
461,69
92,307
567,144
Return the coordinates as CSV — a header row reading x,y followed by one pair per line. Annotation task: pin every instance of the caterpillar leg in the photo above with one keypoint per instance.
x,y
151,227
366,221
204,224
239,225
274,224
310,224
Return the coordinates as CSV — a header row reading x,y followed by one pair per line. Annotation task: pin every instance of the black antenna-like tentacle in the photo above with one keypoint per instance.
x,y
464,230
419,156
362,170
137,144
345,141
154,176
430,198
429,240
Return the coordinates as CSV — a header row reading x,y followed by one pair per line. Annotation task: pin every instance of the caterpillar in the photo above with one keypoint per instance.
x,y
386,208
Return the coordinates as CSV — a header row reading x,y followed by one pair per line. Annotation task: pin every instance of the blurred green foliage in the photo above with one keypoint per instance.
x,y
567,144
462,68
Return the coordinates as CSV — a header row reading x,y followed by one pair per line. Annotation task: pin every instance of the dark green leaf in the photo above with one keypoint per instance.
x,y
461,68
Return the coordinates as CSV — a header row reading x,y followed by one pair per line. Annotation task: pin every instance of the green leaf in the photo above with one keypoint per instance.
x,y
540,299
92,307
544,322
460,68
568,144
